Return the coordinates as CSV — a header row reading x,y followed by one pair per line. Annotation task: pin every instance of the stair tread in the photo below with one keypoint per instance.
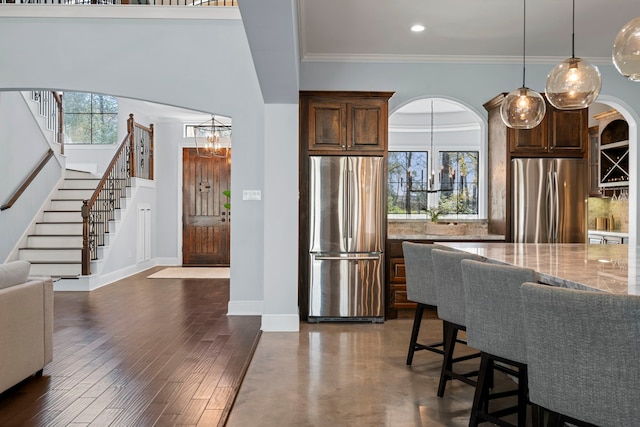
x,y
55,262
59,222
45,248
54,235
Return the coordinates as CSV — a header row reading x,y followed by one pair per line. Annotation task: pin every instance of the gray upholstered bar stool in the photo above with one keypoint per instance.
x,y
582,352
495,326
421,288
450,294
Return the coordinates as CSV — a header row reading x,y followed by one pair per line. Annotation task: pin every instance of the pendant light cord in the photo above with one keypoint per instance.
x,y
432,155
573,31
524,39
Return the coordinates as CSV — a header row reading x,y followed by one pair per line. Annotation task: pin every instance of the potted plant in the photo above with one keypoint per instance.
x,y
434,213
228,204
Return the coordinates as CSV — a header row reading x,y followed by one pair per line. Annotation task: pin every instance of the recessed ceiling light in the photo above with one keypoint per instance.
x,y
417,28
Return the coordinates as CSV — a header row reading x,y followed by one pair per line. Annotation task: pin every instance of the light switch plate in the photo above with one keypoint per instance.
x,y
251,195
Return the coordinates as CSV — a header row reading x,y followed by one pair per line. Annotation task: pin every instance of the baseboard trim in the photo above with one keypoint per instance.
x,y
280,323
244,308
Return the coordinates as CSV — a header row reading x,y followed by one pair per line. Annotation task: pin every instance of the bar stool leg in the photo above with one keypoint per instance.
x,y
414,333
450,335
481,395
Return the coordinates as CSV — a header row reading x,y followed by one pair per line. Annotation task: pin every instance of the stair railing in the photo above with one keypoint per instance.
x,y
50,107
134,158
28,180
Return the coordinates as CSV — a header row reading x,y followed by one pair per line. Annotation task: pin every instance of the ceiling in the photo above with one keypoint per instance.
x,y
472,31
485,31
459,30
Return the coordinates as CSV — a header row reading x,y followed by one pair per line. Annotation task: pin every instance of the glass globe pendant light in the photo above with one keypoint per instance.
x,y
626,50
523,108
574,83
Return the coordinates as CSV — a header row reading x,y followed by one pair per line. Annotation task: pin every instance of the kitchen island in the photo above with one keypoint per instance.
x,y
396,289
608,268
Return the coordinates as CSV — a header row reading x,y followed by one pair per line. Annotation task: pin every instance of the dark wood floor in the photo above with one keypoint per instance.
x,y
139,352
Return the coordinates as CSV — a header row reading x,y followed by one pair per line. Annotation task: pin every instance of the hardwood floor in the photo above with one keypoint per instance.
x,y
143,352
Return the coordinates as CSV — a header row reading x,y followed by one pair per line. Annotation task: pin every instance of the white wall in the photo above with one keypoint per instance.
x,y
22,146
281,218
160,60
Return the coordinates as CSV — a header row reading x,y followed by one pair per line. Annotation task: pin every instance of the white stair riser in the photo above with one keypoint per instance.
x,y
80,183
74,194
55,248
55,270
56,228
66,205
54,216
50,255
54,241
69,173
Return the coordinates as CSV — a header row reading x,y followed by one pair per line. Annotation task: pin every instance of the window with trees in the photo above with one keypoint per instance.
x,y
458,183
407,182
414,191
90,118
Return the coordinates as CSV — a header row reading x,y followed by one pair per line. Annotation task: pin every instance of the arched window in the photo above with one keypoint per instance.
x,y
90,118
435,161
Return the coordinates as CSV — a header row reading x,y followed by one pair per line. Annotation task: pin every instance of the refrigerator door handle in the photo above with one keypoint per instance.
x,y
556,207
550,209
346,222
349,181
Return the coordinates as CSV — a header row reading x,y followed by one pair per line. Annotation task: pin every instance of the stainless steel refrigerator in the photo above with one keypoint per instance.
x,y
549,200
346,253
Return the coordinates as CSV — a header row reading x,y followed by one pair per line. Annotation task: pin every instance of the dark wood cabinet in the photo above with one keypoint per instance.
x,y
345,121
562,133
594,154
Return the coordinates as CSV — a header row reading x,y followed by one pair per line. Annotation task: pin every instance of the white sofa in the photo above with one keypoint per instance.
x,y
26,323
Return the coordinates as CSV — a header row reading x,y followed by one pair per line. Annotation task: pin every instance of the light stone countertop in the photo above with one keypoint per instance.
x,y
608,268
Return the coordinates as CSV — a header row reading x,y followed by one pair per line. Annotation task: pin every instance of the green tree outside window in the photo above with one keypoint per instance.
x,y
90,118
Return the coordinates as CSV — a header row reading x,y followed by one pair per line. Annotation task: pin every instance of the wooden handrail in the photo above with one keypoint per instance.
x,y
133,158
28,180
105,177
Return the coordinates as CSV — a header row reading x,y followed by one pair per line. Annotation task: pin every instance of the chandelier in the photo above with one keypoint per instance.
x,y
213,139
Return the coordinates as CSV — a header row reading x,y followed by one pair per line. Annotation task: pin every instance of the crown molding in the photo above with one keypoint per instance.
x,y
440,59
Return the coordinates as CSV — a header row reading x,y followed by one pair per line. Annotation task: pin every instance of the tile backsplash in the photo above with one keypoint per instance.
x,y
607,208
423,227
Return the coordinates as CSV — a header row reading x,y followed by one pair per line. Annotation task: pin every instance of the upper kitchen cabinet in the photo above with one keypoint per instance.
x,y
562,133
335,122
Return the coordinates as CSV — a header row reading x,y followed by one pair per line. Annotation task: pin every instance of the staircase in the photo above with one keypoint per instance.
x,y
55,247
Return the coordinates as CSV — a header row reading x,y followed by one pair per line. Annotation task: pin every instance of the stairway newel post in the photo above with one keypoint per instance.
x,y
86,251
151,138
132,151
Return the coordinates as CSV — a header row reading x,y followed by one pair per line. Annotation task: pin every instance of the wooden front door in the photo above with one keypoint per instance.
x,y
205,220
